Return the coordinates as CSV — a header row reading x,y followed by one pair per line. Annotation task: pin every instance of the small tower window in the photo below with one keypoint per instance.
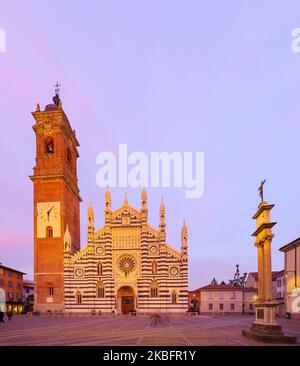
x,y
51,290
153,289
100,290
174,297
78,297
49,145
49,232
99,269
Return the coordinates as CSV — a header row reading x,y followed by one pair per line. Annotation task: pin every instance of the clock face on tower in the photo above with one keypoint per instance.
x,y
48,216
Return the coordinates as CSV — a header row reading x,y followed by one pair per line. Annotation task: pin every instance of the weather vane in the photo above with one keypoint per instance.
x,y
261,190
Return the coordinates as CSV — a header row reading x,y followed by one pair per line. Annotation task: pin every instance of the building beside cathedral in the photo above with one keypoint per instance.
x,y
126,265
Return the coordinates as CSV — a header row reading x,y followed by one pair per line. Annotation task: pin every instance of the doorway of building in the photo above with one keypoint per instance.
x,y
126,299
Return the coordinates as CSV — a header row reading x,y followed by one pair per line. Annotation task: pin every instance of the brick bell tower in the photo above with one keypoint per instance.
x,y
56,202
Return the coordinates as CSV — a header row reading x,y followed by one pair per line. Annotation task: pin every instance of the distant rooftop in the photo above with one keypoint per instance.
x,y
293,244
274,274
11,269
225,288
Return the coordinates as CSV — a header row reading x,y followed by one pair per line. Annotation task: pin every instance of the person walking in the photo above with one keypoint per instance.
x,y
2,317
9,315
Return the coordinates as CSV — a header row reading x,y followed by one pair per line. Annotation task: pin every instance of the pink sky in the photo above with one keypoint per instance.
x,y
218,77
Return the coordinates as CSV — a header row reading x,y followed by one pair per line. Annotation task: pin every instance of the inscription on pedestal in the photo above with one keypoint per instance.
x,y
260,314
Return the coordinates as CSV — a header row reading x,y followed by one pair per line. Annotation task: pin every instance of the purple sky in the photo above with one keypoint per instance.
x,y
212,76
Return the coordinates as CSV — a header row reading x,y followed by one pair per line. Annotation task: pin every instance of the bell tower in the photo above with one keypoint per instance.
x,y
56,202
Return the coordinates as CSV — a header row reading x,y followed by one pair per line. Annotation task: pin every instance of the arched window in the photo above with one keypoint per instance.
x,y
100,290
99,269
49,232
174,297
51,290
78,297
154,267
49,145
153,289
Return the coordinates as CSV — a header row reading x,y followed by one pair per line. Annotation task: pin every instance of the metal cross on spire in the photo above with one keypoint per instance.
x,y
261,190
57,88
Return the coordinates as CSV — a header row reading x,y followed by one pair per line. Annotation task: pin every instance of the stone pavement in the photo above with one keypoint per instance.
x,y
140,330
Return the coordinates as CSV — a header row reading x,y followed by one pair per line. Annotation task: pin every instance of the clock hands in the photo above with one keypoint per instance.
x,y
49,211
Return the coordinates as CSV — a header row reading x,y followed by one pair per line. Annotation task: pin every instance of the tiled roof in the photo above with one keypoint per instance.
x,y
225,288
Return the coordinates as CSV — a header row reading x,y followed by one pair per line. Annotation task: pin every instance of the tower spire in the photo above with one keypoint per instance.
x,y
184,241
125,199
144,209
162,215
107,198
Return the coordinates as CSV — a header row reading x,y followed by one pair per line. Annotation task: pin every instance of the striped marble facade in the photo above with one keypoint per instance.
x,y
126,265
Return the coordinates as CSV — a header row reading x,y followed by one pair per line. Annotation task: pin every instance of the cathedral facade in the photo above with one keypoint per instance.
x,y
125,266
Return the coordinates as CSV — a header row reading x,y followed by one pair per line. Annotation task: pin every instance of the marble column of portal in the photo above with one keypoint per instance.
x,y
267,270
260,256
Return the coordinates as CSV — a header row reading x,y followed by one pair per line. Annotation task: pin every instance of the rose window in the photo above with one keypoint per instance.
x,y
127,265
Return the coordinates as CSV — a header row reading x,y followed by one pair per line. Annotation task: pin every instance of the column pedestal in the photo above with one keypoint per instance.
x,y
265,328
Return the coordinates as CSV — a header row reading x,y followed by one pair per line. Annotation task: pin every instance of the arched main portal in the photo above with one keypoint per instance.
x,y
125,299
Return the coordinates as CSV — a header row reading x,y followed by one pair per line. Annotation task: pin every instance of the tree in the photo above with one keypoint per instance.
x,y
223,283
214,281
238,279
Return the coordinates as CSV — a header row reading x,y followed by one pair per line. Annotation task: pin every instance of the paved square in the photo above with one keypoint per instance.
x,y
124,330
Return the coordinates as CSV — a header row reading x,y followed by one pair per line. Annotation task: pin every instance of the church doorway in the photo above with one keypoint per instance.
x,y
126,299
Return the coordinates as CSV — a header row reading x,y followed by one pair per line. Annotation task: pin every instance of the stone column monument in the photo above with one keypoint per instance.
x,y
265,327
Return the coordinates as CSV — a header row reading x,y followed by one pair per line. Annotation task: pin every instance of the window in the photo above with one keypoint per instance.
x,y
221,295
1,282
210,306
49,232
174,297
221,306
19,285
1,271
210,295
78,297
99,269
51,291
278,295
232,295
100,290
27,291
19,276
232,307
154,289
278,283
49,145
250,306
154,267
9,273
10,284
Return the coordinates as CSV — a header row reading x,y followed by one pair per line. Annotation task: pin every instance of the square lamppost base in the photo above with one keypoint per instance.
x,y
265,328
